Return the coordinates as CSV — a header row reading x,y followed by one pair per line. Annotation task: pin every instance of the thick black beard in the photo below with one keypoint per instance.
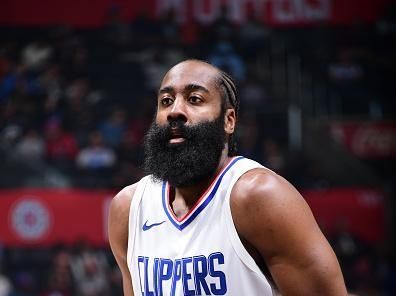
x,y
189,162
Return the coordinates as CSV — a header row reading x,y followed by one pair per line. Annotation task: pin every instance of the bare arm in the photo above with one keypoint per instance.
x,y
273,217
118,233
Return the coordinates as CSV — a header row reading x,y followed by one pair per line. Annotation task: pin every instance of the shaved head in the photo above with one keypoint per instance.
x,y
222,80
196,63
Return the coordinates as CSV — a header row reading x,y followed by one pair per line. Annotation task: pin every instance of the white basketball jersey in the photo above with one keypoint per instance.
x,y
199,254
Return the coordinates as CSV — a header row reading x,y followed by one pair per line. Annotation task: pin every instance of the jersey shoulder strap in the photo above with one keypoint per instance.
x,y
133,213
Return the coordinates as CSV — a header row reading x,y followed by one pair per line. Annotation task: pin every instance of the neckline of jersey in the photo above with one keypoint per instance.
x,y
202,202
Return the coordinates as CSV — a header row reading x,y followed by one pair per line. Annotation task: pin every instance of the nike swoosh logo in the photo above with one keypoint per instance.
x,y
147,227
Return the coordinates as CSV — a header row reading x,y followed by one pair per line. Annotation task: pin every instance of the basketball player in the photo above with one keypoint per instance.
x,y
206,222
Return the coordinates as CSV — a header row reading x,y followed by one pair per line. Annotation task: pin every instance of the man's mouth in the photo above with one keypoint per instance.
x,y
176,137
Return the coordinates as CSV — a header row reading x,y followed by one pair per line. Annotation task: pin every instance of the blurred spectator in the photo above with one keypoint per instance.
x,y
36,55
24,284
130,149
129,155
248,132
225,57
31,147
365,283
347,248
146,31
66,43
79,106
253,36
312,176
51,83
156,63
5,285
272,156
5,64
345,70
117,32
61,146
18,81
113,128
170,30
346,77
140,122
254,96
155,68
96,155
76,67
9,137
60,282
90,271
191,36
222,28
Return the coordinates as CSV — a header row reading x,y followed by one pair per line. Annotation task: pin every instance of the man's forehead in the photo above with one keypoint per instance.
x,y
191,72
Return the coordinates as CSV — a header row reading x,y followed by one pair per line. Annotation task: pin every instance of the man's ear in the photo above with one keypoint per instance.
x,y
229,121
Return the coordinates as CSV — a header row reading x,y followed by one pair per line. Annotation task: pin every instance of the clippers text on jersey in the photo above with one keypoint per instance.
x,y
197,275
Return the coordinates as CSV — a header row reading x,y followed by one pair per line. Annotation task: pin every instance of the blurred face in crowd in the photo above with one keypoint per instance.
x,y
185,142
96,139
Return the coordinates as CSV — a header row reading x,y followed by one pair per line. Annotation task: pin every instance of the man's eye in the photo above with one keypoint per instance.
x,y
195,99
166,101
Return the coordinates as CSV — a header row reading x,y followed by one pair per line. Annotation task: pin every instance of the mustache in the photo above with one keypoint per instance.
x,y
178,125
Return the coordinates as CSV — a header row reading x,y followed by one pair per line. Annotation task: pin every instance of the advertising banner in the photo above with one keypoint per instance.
x,y
47,217
33,217
359,211
92,13
366,140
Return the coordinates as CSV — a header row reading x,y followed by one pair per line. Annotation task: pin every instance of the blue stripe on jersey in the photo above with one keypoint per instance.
x,y
184,224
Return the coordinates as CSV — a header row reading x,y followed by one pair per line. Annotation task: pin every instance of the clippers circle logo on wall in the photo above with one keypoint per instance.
x,y
30,219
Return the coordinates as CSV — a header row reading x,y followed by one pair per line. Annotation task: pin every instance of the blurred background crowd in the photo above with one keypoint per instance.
x,y
75,104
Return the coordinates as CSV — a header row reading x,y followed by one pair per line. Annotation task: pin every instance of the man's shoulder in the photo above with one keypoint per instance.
x,y
263,188
123,199
121,202
264,203
125,193
257,180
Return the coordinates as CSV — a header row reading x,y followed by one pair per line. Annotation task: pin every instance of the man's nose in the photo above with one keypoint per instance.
x,y
178,110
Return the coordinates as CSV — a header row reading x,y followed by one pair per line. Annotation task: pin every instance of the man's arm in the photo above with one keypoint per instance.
x,y
272,216
118,233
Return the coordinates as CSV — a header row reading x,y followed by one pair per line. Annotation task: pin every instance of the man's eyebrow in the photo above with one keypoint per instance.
x,y
192,86
188,87
166,89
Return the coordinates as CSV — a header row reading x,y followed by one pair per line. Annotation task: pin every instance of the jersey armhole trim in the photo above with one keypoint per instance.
x,y
236,242
133,217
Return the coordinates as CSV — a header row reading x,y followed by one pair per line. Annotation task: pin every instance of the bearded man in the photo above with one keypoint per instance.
x,y
207,222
